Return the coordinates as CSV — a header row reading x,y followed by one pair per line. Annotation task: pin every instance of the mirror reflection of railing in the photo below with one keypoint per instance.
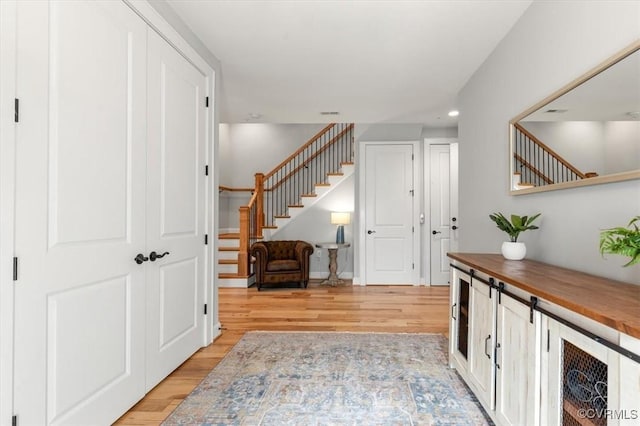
x,y
592,123
539,165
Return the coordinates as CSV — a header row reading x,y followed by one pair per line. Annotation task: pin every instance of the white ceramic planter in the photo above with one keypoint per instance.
x,y
513,251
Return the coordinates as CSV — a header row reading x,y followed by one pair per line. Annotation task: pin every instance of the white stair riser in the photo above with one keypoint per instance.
x,y
228,255
236,282
223,242
227,268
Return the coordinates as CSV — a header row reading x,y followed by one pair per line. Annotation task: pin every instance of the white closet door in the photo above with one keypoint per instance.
x,y
80,212
175,208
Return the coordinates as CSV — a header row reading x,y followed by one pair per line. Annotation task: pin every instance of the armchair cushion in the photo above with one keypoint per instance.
x,y
281,261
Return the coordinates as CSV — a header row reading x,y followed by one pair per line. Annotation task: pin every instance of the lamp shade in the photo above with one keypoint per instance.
x,y
340,218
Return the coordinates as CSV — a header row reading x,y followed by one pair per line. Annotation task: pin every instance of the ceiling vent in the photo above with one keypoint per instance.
x,y
557,111
329,113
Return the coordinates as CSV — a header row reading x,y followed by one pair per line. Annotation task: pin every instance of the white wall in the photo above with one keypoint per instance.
x,y
250,148
552,44
604,147
314,226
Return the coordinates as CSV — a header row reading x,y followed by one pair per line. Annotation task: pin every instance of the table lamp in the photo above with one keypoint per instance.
x,y
340,219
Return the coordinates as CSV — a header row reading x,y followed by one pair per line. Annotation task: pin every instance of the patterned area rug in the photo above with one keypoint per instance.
x,y
300,378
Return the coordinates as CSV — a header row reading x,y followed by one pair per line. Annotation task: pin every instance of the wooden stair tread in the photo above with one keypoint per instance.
x,y
296,206
323,184
309,195
228,248
346,163
270,227
282,217
335,174
229,236
227,261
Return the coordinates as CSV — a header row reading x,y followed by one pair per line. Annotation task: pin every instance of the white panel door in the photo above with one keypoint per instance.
x,y
389,214
175,219
440,214
80,212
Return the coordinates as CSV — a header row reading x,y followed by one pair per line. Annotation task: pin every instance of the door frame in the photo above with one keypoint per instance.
x,y
8,80
426,196
8,18
360,249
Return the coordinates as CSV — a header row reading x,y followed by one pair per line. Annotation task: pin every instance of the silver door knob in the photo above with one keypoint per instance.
x,y
371,232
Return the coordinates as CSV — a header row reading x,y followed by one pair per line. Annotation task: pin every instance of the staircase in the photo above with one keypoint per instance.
x,y
284,194
535,164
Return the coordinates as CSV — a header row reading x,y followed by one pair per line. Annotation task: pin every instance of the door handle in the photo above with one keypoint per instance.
x,y
485,346
153,255
436,232
454,227
140,258
453,308
371,232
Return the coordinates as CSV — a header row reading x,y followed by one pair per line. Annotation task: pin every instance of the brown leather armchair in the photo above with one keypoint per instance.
x,y
281,262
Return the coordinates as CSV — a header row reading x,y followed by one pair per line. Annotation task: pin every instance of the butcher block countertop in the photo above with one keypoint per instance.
x,y
612,303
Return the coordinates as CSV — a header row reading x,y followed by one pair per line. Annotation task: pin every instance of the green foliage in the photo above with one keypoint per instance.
x,y
514,227
622,241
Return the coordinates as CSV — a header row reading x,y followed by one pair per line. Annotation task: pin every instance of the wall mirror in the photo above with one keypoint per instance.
x,y
586,133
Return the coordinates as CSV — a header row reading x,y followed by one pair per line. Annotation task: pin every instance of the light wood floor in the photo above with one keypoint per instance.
x,y
395,309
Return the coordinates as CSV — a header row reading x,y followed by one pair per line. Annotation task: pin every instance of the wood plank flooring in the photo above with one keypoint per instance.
x,y
394,309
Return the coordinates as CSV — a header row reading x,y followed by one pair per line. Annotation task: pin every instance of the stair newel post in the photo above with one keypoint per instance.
x,y
243,254
259,203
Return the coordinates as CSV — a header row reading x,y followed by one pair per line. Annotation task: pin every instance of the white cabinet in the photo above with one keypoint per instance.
x,y
530,361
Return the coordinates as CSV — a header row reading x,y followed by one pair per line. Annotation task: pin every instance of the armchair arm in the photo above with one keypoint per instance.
x,y
303,251
260,251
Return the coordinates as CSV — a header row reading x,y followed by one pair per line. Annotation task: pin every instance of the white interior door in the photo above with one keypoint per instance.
x,y
389,214
175,220
80,212
440,215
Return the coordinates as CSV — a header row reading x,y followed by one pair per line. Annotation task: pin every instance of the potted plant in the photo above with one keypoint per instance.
x,y
512,249
622,241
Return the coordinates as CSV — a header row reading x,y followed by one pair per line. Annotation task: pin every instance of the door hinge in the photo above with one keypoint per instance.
x,y
15,269
411,157
413,229
206,239
205,309
206,102
14,421
16,110
411,192
413,266
206,170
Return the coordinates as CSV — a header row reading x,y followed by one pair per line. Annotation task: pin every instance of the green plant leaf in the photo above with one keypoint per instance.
x,y
622,241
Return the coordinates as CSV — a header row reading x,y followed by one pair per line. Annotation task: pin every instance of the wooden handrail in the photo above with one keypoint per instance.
x,y
549,150
259,193
302,148
533,169
312,157
231,189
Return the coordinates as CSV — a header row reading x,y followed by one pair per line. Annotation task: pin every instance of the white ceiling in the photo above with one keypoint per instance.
x,y
372,61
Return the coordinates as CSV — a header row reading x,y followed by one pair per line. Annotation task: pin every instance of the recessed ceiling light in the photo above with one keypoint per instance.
x,y
454,113
329,113
254,115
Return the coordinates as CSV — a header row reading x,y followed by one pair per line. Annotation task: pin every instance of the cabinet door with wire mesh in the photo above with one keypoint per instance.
x,y
583,380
